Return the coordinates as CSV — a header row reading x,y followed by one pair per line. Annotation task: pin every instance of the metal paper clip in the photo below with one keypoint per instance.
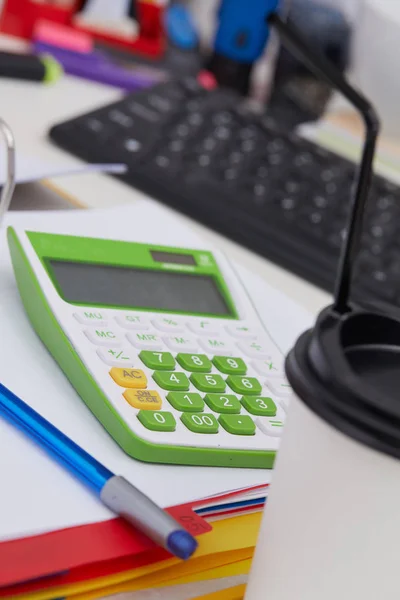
x,y
9,185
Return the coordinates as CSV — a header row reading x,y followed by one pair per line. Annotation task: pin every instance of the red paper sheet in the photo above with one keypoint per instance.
x,y
58,552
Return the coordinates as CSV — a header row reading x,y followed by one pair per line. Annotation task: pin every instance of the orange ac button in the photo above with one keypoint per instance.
x,y
129,378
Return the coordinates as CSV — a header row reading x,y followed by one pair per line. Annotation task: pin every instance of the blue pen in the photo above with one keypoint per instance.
x,y
114,491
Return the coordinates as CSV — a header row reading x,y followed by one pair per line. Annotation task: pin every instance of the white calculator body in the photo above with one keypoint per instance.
x,y
162,343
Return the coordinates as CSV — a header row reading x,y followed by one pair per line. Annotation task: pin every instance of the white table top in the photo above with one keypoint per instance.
x,y
30,109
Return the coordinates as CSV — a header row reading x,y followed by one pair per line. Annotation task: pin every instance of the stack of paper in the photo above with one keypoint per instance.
x,y
56,540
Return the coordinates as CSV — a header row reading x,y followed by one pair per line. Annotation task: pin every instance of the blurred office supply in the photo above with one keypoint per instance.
x,y
97,66
280,195
19,17
29,168
78,55
44,68
180,27
116,17
297,95
240,39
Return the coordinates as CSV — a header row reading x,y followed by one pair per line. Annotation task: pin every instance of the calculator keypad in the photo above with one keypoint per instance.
x,y
104,337
230,366
216,345
208,383
96,319
182,343
238,424
195,362
157,421
195,381
171,380
223,403
133,322
169,325
117,357
146,341
143,399
186,402
161,361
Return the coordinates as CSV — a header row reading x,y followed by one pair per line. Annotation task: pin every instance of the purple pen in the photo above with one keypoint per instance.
x,y
95,66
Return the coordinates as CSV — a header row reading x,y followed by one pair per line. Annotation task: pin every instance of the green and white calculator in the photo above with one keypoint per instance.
x,y
163,344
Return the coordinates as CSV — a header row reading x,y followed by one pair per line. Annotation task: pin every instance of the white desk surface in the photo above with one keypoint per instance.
x,y
30,109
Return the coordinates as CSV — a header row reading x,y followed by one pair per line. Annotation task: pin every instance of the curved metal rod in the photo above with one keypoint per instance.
x,y
9,185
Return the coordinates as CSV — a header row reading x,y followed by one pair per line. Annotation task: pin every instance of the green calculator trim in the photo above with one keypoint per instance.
x,y
117,253
52,335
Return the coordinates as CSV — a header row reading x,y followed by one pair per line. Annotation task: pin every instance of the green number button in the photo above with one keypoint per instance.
x,y
223,404
264,407
200,423
208,383
171,381
244,385
238,424
230,366
157,421
186,402
194,362
158,360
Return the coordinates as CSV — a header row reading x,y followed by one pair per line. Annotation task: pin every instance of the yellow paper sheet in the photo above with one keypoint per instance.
x,y
235,534
162,580
236,593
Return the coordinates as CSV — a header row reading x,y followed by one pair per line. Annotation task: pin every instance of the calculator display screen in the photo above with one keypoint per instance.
x,y
127,287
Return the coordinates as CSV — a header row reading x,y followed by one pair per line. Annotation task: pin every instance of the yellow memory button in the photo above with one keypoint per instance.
x,y
143,399
129,378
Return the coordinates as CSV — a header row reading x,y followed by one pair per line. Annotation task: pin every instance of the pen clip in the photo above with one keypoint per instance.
x,y
9,185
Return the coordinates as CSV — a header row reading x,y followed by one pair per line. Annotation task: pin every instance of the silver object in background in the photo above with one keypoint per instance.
x,y
9,186
375,58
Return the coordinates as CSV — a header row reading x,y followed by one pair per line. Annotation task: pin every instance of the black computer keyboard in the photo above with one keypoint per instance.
x,y
287,199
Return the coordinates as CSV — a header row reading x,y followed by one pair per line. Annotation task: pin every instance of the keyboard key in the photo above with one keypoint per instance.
x,y
91,317
157,421
184,343
129,378
117,357
158,361
208,383
255,349
200,423
189,402
204,327
147,341
230,366
215,345
244,385
169,325
242,331
195,362
171,381
262,406
143,399
133,321
280,387
104,337
270,427
269,367
238,424
227,403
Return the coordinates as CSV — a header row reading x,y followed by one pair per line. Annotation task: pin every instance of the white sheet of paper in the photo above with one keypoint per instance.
x,y
29,168
38,495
